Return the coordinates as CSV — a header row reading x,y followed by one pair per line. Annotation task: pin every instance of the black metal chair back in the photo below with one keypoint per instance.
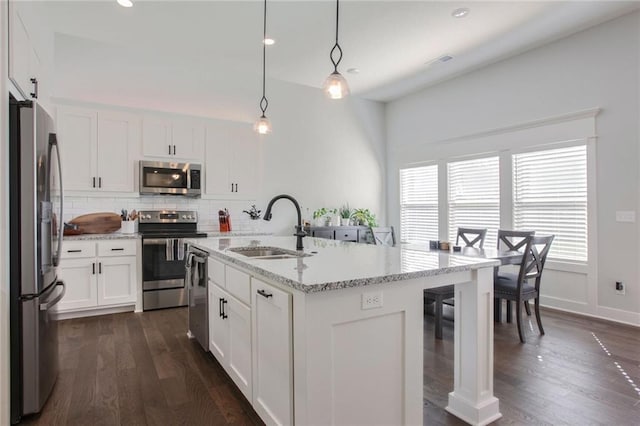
x,y
472,237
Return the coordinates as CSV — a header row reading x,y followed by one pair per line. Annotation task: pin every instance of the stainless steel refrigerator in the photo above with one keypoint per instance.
x,y
36,237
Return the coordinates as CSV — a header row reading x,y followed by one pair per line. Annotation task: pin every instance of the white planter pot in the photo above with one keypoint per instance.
x,y
344,222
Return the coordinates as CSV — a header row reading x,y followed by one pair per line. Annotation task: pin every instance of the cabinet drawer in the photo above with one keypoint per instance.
x,y
117,248
347,235
216,271
238,284
323,234
78,249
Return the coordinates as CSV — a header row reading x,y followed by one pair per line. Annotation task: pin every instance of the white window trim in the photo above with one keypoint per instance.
x,y
547,133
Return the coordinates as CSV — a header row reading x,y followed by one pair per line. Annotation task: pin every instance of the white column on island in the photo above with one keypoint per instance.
x,y
472,398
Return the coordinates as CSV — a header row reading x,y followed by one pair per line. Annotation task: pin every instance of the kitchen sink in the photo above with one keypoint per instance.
x,y
267,252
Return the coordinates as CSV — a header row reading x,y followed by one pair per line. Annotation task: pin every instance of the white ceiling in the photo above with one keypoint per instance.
x,y
205,56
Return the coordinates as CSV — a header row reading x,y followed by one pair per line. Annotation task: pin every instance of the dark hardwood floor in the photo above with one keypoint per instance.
x,y
141,369
583,371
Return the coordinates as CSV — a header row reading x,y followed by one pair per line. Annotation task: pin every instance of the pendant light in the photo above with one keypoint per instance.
x,y
263,125
335,86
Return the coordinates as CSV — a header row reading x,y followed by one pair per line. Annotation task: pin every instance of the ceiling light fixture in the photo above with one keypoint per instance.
x,y
269,41
335,86
263,125
460,13
125,3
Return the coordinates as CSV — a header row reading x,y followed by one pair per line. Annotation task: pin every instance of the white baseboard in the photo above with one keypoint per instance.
x,y
93,312
602,312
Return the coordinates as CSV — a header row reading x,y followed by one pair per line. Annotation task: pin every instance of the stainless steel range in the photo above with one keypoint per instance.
x,y
164,256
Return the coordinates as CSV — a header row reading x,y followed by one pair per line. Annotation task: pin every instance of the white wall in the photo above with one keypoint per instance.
x,y
4,231
595,68
323,152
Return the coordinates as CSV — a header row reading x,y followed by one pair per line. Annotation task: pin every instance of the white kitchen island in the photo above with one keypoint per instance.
x,y
337,336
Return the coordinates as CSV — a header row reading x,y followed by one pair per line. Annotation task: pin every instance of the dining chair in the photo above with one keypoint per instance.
x,y
525,285
384,236
509,240
439,296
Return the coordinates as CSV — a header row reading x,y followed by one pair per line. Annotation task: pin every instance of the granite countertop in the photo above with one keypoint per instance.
x,y
112,236
337,264
120,236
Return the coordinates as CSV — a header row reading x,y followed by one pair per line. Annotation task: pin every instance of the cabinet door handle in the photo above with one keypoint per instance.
x,y
94,182
99,267
220,307
99,182
231,187
224,311
265,294
117,249
174,150
74,251
93,268
34,94
236,187
169,149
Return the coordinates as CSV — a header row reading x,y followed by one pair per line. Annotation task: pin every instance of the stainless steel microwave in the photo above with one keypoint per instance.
x,y
157,178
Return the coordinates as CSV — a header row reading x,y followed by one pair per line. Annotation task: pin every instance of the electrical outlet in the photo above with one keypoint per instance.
x,y
619,287
372,300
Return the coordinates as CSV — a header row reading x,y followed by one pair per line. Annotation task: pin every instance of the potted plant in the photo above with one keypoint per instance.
x,y
364,217
319,216
345,215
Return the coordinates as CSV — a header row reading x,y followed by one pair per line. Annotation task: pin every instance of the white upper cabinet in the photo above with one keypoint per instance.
x,y
232,158
21,54
174,138
98,149
118,147
77,135
25,68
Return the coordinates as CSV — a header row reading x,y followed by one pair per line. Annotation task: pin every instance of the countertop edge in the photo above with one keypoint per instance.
x,y
337,285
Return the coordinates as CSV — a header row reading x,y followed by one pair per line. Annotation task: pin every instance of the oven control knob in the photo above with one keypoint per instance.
x,y
148,216
184,216
189,217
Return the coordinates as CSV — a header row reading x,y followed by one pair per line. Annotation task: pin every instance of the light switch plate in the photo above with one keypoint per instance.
x,y
626,216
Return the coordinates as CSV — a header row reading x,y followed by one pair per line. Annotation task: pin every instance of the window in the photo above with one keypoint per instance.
x,y
419,204
550,197
474,197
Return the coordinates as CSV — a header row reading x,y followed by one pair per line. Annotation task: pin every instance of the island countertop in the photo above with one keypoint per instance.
x,y
335,264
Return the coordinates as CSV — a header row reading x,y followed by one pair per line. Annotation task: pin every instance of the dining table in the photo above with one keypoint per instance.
x,y
506,257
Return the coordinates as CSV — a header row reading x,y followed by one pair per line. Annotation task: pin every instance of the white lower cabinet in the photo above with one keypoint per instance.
x,y
230,336
98,274
250,334
272,356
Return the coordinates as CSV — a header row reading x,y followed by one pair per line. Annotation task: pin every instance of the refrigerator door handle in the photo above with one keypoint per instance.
x,y
51,304
53,142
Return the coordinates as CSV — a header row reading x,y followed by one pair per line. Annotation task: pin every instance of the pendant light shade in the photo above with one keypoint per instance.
x,y
263,125
335,86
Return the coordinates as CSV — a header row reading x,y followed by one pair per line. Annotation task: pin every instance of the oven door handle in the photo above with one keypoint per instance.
x,y
156,241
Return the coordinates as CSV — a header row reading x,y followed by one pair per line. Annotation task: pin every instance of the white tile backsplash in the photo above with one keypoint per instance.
x,y
207,209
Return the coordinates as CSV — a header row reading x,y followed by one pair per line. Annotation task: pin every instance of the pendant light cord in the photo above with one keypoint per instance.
x,y
264,103
336,47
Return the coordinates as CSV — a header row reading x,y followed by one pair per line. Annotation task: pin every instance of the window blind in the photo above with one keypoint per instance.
x,y
550,197
474,197
419,204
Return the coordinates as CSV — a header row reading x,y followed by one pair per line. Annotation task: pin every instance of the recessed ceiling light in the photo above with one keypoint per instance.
x,y
269,41
353,70
125,3
460,13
